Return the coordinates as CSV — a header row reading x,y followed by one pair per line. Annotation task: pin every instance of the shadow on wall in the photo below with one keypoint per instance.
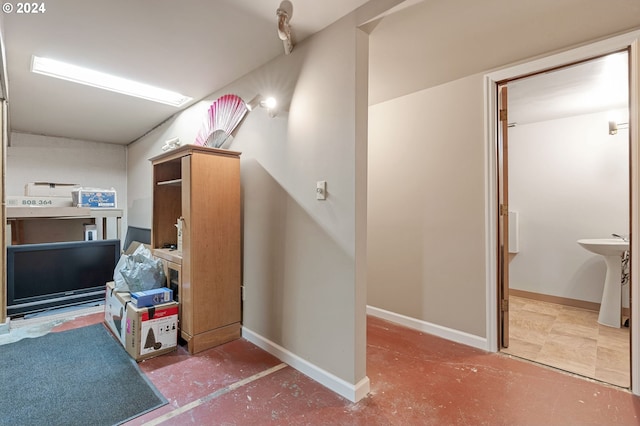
x,y
592,271
263,244
294,271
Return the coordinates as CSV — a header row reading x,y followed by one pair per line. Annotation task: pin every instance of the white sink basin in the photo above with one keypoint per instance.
x,y
611,250
605,246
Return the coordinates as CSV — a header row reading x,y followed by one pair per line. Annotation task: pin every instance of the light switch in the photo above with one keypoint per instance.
x,y
321,190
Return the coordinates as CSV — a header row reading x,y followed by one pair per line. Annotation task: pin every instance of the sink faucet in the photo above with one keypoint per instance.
x,y
622,237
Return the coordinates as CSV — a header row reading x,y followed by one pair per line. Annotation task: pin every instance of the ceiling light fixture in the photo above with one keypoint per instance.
x,y
254,103
284,13
76,74
269,104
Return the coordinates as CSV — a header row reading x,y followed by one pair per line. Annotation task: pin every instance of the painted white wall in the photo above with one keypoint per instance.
x,y
568,179
35,158
427,175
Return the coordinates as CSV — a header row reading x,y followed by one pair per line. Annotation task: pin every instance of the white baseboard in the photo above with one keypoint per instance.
x,y
434,329
353,393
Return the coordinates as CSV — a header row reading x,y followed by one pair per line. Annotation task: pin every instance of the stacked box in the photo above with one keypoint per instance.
x,y
49,189
94,198
144,332
156,296
115,312
151,331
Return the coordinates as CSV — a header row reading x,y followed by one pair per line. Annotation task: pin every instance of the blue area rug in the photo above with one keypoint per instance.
x,y
76,377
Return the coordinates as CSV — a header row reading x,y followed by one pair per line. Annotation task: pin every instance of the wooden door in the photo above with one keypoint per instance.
x,y
503,217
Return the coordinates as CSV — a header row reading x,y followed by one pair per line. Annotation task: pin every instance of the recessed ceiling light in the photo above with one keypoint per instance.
x,y
106,81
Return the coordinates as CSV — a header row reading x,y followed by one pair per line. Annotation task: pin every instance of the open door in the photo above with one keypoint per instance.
x,y
503,218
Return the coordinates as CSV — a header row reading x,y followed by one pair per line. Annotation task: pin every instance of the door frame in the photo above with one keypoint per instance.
x,y
632,42
502,166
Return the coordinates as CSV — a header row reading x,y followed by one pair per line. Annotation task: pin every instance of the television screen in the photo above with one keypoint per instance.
x,y
41,276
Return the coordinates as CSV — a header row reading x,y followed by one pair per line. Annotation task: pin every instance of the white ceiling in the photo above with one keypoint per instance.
x,y
194,47
594,86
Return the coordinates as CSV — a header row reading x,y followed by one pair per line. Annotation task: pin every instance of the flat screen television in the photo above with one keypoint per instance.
x,y
49,275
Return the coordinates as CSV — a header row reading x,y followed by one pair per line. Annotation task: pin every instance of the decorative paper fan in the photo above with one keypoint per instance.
x,y
222,118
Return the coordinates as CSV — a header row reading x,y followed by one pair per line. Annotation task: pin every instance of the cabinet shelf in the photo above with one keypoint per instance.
x,y
172,182
169,255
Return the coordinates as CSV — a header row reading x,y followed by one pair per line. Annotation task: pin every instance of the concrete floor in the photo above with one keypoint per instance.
x,y
416,379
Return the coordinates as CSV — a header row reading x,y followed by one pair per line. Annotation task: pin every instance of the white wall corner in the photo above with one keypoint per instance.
x,y
634,122
491,214
352,392
430,328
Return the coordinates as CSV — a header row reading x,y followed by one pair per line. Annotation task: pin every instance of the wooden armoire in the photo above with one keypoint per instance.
x,y
200,187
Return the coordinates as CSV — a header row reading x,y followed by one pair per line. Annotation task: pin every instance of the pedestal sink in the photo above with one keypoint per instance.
x,y
611,249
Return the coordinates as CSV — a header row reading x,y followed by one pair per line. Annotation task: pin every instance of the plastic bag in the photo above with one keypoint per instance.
x,y
139,271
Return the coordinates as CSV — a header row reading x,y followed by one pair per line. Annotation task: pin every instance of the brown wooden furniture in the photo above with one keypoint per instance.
x,y
33,225
202,186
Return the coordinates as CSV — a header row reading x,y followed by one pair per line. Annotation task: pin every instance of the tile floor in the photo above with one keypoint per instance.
x,y
416,379
570,339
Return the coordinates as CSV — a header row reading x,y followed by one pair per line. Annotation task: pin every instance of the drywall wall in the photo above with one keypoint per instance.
x,y
568,179
303,296
426,206
427,175
35,158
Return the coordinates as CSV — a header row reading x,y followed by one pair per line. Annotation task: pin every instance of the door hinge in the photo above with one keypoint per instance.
x,y
503,115
504,209
504,305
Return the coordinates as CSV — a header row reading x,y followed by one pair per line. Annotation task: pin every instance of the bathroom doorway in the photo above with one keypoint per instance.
x,y
564,176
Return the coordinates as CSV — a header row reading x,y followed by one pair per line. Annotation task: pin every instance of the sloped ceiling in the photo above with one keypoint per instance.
x,y
193,47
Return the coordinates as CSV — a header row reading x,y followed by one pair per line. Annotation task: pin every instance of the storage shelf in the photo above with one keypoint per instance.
x,y
20,217
60,212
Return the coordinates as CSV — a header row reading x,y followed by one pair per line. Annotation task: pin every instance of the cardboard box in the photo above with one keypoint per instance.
x,y
33,201
49,189
94,198
133,245
151,331
156,296
144,332
115,312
